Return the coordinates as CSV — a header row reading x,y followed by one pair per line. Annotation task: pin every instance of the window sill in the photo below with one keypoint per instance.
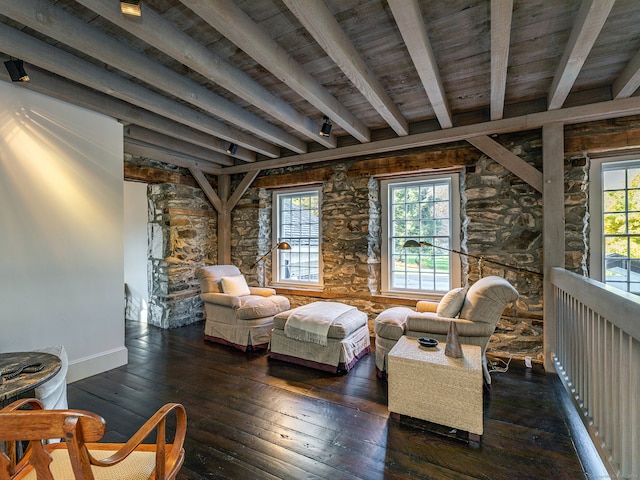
x,y
434,297
295,288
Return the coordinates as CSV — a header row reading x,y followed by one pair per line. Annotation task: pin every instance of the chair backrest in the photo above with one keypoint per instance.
x,y
210,276
487,298
78,428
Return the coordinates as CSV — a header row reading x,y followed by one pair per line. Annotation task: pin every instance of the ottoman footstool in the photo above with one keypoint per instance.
x,y
347,341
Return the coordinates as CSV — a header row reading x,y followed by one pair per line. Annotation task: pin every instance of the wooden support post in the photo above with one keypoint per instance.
x,y
224,221
553,227
224,203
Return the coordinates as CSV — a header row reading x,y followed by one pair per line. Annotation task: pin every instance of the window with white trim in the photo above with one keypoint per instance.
x,y
297,222
616,224
425,210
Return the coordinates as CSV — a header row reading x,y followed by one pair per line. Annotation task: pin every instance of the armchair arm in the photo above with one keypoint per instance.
x,y
262,291
426,306
391,322
223,299
34,403
431,323
171,457
10,457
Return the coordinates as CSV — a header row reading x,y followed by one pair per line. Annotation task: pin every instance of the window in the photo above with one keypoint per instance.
x,y
619,228
297,222
426,210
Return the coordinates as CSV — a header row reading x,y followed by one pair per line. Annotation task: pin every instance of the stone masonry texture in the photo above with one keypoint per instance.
x,y
501,220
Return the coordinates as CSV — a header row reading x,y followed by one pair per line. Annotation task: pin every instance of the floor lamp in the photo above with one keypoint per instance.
x,y
481,260
279,246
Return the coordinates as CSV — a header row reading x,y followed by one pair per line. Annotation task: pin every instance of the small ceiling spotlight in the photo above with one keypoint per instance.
x,y
325,130
131,7
232,149
16,71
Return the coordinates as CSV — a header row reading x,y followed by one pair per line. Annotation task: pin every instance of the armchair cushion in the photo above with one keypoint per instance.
x,y
210,276
451,303
254,306
235,285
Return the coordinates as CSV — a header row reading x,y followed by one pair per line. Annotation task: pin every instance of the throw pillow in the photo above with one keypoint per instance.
x,y
235,285
451,303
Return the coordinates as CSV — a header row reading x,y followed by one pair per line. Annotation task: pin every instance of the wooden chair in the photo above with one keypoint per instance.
x,y
78,456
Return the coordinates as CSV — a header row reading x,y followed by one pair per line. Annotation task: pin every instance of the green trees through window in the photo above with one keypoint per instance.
x,y
621,225
420,211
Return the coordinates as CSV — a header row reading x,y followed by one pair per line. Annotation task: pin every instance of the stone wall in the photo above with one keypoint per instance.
x,y
182,237
345,227
251,234
501,218
576,213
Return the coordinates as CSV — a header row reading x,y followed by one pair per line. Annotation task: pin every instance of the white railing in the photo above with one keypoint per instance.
x,y
597,356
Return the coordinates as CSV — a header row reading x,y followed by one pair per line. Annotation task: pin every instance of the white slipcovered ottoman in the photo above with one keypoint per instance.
x,y
347,340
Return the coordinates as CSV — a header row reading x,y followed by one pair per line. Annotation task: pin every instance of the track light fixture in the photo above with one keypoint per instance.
x,y
325,130
15,67
131,7
232,149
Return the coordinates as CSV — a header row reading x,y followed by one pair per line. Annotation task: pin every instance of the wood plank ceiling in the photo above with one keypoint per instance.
x,y
190,77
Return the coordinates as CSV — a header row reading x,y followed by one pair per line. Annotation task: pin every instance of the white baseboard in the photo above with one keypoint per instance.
x,y
94,364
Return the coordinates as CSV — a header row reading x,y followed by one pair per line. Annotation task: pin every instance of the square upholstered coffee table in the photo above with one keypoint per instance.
x,y
426,384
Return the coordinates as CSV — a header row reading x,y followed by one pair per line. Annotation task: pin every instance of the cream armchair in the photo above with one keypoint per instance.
x,y
236,314
476,312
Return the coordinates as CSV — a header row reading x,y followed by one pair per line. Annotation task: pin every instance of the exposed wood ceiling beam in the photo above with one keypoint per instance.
x,y
150,175
501,13
233,23
55,86
154,138
585,31
59,25
409,19
584,113
160,33
320,22
629,80
509,160
135,147
26,47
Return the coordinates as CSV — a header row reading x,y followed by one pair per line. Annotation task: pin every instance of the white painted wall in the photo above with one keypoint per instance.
x,y
61,238
135,250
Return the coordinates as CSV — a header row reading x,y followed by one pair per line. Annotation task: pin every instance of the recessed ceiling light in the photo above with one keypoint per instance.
x,y
131,7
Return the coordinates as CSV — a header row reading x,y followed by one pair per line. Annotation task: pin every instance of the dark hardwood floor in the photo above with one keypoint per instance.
x,y
254,418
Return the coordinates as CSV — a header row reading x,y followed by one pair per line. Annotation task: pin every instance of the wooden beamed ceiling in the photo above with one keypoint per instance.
x,y
190,77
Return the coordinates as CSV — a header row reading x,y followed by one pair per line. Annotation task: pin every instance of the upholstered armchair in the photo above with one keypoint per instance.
x,y
475,311
236,314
